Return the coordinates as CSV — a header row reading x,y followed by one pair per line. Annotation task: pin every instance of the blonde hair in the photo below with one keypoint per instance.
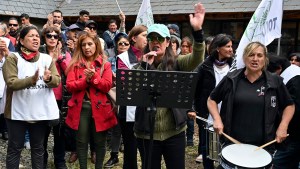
x,y
78,55
253,46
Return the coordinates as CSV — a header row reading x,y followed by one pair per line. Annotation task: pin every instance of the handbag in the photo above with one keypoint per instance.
x,y
112,93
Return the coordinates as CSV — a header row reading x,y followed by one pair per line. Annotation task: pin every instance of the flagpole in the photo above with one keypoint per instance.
x,y
278,47
278,44
118,5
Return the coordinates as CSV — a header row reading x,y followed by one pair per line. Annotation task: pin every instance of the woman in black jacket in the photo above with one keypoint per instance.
x,y
210,72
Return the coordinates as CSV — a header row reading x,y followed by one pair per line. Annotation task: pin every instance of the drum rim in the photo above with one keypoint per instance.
x,y
222,158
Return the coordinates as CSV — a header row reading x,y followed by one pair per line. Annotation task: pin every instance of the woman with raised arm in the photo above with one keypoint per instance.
x,y
170,123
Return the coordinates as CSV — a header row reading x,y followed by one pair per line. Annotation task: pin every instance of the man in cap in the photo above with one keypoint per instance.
x,y
91,26
174,30
71,34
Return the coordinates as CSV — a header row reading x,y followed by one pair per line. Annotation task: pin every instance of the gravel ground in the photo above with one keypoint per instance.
x,y
25,161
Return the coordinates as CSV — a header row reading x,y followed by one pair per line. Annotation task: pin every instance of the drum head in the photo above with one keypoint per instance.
x,y
244,155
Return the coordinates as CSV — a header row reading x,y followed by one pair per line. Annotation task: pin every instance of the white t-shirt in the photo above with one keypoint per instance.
x,y
220,72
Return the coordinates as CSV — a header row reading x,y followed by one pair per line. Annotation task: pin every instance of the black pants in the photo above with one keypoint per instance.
x,y
130,144
3,127
16,134
172,149
59,145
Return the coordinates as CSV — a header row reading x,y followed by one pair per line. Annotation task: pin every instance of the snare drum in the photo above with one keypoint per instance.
x,y
213,144
244,156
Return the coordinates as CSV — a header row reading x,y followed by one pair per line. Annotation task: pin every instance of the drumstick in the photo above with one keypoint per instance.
x,y
231,139
265,145
205,120
227,136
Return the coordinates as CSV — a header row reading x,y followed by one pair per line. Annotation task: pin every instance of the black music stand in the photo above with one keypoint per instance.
x,y
151,89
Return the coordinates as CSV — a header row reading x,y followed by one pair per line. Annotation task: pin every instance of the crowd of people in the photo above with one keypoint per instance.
x,y
56,79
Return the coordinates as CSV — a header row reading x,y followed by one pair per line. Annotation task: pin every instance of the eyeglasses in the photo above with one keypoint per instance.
x,y
15,25
157,38
92,28
123,44
49,36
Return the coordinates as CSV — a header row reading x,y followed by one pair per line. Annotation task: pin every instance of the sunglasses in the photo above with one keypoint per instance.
x,y
123,44
157,38
49,36
15,25
92,28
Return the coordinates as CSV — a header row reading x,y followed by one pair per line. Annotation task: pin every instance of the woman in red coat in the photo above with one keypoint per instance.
x,y
90,111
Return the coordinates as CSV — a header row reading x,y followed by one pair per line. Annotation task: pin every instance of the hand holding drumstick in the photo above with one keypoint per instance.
x,y
265,145
218,127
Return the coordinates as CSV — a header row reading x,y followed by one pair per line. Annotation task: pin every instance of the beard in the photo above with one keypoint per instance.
x,y
13,32
56,22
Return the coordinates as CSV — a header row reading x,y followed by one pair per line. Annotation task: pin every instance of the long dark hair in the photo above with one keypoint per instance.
x,y
169,60
219,41
24,31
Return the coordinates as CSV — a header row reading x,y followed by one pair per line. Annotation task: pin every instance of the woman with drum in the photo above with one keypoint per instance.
x,y
256,106
210,72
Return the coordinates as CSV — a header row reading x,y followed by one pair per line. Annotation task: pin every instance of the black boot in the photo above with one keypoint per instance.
x,y
112,161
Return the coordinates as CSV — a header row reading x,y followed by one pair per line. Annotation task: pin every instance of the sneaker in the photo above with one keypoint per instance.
x,y
111,162
199,159
27,145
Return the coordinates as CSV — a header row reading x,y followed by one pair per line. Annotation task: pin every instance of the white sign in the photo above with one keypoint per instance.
x,y
264,27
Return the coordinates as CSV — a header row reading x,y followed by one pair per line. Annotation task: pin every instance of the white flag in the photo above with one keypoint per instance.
x,y
145,15
264,27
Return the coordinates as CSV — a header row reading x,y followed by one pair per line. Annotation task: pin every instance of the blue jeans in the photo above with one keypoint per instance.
x,y
27,136
287,155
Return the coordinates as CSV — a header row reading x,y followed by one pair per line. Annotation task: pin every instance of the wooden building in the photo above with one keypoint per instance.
x,y
222,16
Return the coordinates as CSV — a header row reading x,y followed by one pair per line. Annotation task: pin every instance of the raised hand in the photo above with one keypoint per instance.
x,y
3,49
122,17
197,19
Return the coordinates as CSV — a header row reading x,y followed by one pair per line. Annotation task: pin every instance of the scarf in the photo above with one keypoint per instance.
x,y
28,54
220,63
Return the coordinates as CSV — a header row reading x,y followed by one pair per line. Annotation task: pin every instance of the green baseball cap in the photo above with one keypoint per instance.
x,y
161,29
